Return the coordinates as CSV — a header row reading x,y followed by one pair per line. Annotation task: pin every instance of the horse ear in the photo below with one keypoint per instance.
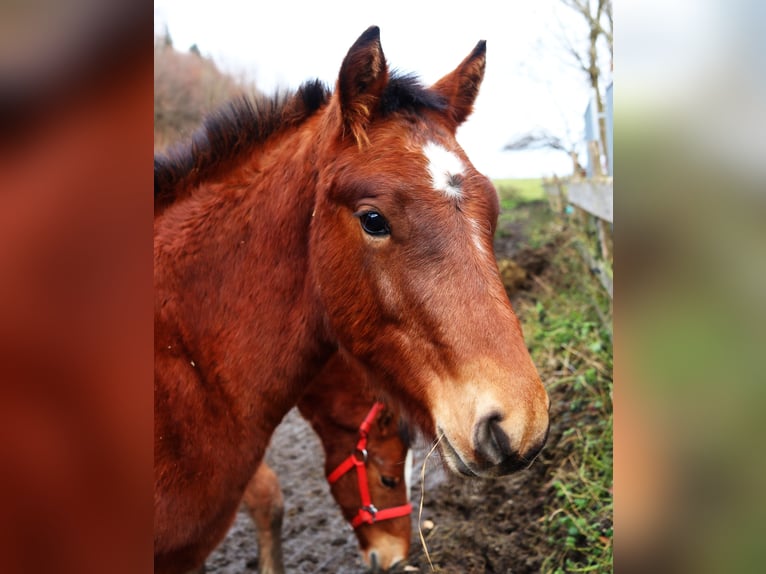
x,y
461,86
384,421
363,76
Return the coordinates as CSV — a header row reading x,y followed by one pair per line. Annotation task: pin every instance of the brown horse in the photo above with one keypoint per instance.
x,y
367,463
314,223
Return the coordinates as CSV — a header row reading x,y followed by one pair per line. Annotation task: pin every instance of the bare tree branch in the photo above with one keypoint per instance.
x,y
541,139
593,13
586,50
609,31
570,48
536,139
582,7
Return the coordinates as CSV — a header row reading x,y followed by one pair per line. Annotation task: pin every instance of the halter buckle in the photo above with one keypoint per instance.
x,y
372,511
363,452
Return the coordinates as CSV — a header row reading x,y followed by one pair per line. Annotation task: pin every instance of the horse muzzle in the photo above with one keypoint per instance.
x,y
494,450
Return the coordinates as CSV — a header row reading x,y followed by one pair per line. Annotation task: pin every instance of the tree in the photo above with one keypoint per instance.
x,y
600,27
167,41
186,87
542,139
586,50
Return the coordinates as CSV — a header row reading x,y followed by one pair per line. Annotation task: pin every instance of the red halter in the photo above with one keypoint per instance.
x,y
367,514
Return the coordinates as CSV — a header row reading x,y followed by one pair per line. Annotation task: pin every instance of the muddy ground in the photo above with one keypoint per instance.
x,y
479,526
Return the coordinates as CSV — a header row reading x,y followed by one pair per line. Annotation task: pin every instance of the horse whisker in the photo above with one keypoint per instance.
x,y
422,497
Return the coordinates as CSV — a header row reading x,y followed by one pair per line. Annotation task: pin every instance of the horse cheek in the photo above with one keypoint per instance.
x,y
333,263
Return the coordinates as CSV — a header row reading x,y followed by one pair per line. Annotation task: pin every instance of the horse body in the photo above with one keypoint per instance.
x,y
211,335
351,222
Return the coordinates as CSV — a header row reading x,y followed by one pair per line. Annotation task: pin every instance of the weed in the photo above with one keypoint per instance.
x,y
570,343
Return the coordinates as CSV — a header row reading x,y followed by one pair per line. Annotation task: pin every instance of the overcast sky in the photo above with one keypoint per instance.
x,y
529,82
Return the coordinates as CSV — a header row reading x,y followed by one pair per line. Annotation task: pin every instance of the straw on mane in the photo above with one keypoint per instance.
x,y
245,123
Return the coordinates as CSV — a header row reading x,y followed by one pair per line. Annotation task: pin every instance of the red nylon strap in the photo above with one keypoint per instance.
x,y
367,514
342,469
364,428
364,516
361,447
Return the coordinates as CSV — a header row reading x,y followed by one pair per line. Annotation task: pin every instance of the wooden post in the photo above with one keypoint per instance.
x,y
595,158
555,194
592,199
605,240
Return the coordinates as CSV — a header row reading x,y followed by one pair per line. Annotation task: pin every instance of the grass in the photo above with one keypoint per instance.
x,y
570,344
515,191
519,202
569,341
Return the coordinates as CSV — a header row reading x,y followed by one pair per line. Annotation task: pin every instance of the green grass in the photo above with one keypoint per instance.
x,y
520,205
563,324
514,191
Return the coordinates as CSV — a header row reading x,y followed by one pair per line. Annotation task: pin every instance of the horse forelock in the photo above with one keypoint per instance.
x,y
405,92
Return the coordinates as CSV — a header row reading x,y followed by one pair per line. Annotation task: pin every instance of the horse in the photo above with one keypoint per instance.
x,y
319,222
367,463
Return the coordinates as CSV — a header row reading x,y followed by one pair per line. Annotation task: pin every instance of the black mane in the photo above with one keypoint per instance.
x,y
238,126
245,123
405,92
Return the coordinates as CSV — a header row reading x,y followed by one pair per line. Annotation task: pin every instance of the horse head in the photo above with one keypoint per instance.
x,y
402,259
367,460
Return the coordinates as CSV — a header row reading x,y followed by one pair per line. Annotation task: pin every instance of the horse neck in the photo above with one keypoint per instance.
x,y
236,253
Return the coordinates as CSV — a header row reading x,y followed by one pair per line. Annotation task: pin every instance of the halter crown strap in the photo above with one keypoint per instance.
x,y
367,514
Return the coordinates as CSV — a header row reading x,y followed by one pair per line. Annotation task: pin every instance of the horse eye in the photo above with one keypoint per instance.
x,y
389,481
374,223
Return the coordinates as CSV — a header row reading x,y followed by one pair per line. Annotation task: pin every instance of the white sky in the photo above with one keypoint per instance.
x,y
529,82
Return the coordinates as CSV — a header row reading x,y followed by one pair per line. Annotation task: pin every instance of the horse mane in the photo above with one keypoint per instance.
x,y
244,123
238,127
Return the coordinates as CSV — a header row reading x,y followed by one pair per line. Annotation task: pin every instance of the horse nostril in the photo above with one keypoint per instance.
x,y
491,440
500,439
374,566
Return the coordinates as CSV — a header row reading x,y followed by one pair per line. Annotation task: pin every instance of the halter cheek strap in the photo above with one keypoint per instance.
x,y
367,513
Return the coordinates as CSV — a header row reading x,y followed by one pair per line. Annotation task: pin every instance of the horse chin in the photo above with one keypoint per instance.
x,y
453,459
456,463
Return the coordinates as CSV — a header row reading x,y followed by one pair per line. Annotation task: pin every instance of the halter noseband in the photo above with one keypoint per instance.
x,y
367,513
